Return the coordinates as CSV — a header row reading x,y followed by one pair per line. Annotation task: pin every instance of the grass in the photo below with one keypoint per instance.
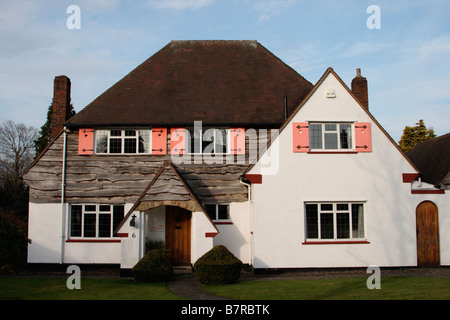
x,y
392,288
91,289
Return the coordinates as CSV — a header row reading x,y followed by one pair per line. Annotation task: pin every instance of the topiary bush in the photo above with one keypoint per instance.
x,y
153,267
218,266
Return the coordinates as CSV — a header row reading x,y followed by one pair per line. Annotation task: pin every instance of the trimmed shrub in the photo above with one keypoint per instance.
x,y
218,266
153,267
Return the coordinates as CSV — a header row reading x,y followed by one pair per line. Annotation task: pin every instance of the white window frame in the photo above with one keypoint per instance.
x,y
204,143
107,134
337,131
216,217
97,213
334,211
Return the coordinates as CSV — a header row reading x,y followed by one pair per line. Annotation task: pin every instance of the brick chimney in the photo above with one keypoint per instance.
x,y
61,103
359,89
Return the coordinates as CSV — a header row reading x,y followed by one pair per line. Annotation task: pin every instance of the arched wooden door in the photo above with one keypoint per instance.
x,y
427,224
178,235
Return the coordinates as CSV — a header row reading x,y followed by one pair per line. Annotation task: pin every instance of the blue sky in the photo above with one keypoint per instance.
x,y
406,61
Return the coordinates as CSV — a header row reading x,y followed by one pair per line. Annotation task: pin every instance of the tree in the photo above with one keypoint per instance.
x,y
413,135
44,135
16,154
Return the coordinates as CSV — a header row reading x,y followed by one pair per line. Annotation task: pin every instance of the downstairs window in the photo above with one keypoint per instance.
x,y
95,221
334,221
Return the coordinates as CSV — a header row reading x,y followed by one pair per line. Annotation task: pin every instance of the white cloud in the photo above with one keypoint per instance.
x,y
268,8
180,4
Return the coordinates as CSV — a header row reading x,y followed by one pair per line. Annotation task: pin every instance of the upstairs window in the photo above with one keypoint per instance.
x,y
122,141
330,136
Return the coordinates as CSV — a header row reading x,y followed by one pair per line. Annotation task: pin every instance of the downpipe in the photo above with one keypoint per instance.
x,y
250,210
63,206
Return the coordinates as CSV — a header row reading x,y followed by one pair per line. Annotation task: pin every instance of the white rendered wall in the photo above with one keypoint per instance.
x,y
45,232
236,235
373,178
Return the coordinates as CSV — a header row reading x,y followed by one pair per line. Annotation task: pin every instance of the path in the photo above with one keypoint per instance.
x,y
187,286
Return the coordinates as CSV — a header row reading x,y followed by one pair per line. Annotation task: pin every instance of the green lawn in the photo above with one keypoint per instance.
x,y
91,289
396,288
392,288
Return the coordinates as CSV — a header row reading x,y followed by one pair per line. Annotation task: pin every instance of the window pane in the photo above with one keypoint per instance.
x,y
75,221
220,141
342,206
104,225
116,133
101,141
92,208
330,127
130,133
208,141
326,226
89,225
105,208
144,141
118,214
312,223
331,141
315,136
211,211
223,212
130,145
194,141
326,207
346,136
357,221
115,145
343,225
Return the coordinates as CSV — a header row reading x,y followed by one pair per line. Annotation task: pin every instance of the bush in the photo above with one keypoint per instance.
x,y
153,267
13,244
218,266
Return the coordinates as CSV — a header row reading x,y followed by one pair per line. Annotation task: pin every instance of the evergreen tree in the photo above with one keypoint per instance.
x,y
413,135
46,130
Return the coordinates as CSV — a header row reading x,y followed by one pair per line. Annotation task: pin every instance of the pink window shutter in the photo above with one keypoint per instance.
x,y
159,141
237,141
178,141
85,141
363,137
300,135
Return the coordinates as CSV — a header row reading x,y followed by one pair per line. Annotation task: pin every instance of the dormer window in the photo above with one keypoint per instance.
x,y
122,141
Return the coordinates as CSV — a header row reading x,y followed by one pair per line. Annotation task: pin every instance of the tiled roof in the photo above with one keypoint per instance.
x,y
432,158
217,82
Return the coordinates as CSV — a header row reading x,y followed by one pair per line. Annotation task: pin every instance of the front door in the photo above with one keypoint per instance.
x,y
427,235
178,235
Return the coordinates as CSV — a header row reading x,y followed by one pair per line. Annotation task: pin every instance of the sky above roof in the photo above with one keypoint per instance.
x,y
403,48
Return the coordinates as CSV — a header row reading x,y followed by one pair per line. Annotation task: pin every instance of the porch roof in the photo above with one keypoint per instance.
x,y
168,188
